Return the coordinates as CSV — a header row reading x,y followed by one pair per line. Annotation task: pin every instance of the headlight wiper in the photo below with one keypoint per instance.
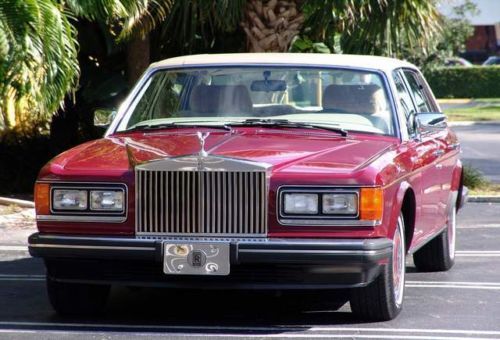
x,y
288,123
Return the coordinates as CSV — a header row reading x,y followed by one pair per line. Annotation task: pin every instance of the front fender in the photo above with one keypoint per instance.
x,y
396,206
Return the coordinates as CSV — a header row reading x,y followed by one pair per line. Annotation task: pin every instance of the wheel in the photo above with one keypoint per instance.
x,y
76,298
382,299
439,254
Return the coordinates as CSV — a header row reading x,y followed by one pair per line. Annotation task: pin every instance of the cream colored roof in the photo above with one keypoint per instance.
x,y
299,59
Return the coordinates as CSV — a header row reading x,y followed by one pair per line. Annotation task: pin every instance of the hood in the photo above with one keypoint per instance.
x,y
282,149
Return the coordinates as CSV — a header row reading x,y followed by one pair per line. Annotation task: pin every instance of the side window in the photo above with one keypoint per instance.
x,y
418,92
404,100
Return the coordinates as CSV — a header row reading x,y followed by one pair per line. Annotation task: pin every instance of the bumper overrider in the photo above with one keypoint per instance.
x,y
254,263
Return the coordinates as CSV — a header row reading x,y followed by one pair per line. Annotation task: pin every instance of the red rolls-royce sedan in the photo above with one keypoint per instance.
x,y
249,171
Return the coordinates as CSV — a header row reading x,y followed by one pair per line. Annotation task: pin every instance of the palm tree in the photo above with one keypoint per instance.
x,y
37,59
38,51
361,26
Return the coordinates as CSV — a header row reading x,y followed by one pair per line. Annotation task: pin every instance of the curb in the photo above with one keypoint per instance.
x,y
470,123
484,199
21,203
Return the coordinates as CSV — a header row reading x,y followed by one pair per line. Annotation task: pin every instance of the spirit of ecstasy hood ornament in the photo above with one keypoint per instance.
x,y
202,136
202,154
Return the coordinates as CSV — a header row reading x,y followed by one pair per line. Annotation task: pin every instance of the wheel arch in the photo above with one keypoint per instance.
x,y
406,204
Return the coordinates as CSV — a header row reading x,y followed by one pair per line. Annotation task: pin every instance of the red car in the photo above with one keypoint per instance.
x,y
249,171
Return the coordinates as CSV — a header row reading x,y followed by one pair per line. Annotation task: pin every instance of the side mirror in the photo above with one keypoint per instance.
x,y
430,121
103,117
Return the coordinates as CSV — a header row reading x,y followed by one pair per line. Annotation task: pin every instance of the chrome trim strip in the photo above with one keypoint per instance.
x,y
167,235
81,218
332,223
319,251
70,246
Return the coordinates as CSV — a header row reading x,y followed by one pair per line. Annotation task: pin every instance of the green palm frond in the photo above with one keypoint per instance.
x,y
40,65
387,27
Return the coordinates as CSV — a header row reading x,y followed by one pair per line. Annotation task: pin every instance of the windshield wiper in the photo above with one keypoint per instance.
x,y
288,123
177,125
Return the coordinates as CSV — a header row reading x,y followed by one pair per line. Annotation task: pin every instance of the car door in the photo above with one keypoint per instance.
x,y
437,177
423,155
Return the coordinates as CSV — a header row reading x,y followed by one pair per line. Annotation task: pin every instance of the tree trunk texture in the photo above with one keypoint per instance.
x,y
271,25
137,57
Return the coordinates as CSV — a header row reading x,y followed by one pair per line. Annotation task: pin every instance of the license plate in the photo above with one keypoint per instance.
x,y
196,258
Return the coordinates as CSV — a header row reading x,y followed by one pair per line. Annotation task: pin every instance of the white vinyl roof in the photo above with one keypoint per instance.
x,y
296,59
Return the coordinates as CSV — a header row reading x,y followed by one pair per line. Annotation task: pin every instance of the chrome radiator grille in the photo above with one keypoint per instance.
x,y
201,203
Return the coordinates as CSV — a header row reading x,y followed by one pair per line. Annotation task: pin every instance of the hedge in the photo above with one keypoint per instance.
x,y
465,82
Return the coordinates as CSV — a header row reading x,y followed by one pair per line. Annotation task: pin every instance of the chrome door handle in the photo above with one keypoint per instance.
x,y
438,153
439,166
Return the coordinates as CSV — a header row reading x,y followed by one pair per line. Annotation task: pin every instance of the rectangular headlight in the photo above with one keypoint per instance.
x,y
69,199
340,204
106,200
301,204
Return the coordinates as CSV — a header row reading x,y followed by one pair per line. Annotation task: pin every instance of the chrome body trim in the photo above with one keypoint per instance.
x,y
81,218
210,163
70,246
316,251
332,223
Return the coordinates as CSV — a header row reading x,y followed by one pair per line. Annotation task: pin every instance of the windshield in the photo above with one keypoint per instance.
x,y
349,99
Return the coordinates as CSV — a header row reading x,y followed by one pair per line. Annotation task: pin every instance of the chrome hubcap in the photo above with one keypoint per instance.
x,y
398,263
452,220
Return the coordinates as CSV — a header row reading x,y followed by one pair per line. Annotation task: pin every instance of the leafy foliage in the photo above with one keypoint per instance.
x,y
473,178
465,82
37,58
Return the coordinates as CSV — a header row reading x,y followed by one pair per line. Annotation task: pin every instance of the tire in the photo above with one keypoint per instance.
x,y
382,300
75,299
439,253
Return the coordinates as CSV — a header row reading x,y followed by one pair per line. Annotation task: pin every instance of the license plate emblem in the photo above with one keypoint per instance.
x,y
196,258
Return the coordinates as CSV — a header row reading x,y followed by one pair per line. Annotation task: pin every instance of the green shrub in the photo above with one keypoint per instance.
x,y
465,82
473,178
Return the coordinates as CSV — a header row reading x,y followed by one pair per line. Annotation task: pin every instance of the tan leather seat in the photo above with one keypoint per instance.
x,y
220,100
367,100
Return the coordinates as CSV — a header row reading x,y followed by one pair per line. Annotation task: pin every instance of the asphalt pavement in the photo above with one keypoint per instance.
x,y
480,147
463,303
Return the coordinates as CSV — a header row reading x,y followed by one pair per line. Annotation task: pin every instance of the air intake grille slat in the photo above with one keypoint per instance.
x,y
211,203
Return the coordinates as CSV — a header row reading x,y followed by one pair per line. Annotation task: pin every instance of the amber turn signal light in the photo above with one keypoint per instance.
x,y
42,198
371,205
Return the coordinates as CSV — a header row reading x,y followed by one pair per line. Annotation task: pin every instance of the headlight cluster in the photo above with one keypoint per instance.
x,y
331,203
342,203
102,200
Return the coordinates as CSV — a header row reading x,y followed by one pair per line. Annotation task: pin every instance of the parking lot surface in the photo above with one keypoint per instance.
x,y
480,148
463,303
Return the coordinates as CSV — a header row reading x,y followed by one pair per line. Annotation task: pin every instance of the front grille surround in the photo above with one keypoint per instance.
x,y
205,203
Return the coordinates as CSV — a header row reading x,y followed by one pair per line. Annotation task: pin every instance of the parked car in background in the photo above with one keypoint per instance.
x,y
260,171
455,61
493,60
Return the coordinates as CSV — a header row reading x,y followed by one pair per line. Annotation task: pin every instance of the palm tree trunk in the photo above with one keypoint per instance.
x,y
137,57
270,26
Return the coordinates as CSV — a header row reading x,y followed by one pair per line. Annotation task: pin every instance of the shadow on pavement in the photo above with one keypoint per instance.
x,y
170,310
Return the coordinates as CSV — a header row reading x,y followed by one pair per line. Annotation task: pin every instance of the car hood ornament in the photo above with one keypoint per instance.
x,y
202,136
